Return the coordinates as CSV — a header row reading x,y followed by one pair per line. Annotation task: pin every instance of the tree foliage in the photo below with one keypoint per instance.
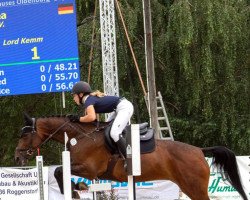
x,y
201,52
206,48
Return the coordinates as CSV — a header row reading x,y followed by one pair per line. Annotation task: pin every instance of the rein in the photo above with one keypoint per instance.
x,y
30,150
51,135
82,134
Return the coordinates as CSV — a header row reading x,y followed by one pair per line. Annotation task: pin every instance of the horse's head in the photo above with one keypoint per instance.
x,y
37,132
27,143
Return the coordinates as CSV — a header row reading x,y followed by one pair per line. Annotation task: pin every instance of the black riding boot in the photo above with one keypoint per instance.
x,y
121,143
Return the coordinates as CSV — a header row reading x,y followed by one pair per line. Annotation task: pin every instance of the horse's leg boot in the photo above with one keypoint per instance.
x,y
121,143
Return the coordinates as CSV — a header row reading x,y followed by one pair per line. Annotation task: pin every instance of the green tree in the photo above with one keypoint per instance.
x,y
205,51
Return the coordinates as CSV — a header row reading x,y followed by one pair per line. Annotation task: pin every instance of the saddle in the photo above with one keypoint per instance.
x,y
147,141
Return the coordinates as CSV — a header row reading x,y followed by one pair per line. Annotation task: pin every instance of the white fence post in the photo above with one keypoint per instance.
x,y
66,171
133,159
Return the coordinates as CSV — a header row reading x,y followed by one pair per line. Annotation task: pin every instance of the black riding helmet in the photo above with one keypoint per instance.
x,y
81,87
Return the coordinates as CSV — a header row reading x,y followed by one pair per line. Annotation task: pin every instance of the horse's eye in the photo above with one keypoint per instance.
x,y
25,131
23,135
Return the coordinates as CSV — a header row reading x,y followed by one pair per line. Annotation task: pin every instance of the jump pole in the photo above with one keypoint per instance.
x,y
98,187
39,166
133,158
66,171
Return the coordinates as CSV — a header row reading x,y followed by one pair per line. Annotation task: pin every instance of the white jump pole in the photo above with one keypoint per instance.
x,y
39,165
66,171
134,167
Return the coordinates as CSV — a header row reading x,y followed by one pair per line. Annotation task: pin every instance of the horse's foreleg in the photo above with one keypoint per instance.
x,y
84,170
59,178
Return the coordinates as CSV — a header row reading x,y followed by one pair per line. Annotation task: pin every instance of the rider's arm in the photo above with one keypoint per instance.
x,y
90,114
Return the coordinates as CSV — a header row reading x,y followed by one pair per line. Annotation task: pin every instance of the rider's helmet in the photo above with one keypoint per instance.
x,y
81,87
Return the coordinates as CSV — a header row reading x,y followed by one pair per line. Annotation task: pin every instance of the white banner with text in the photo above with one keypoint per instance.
x,y
19,184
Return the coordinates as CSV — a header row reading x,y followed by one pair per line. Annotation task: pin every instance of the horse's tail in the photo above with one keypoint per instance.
x,y
225,159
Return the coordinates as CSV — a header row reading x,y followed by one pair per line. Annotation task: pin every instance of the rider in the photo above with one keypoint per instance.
x,y
98,102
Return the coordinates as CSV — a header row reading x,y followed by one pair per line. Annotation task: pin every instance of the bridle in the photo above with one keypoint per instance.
x,y
30,150
28,129
26,152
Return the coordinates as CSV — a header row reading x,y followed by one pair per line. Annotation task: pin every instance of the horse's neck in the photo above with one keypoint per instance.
x,y
49,126
58,126
55,127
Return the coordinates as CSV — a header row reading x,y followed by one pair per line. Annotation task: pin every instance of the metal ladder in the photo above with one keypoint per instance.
x,y
163,123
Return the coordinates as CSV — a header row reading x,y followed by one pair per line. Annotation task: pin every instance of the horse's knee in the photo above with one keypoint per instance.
x,y
75,195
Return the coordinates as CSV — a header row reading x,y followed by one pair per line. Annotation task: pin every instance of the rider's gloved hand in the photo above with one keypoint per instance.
x,y
73,118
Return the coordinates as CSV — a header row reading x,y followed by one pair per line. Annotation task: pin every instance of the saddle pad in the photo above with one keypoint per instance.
x,y
147,143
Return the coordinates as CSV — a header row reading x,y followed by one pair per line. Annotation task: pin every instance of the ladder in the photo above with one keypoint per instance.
x,y
163,123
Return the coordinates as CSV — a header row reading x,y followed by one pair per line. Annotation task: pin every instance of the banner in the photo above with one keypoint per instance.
x,y
220,189
150,190
19,184
144,190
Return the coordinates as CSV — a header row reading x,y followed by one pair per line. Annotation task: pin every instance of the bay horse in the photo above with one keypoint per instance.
x,y
178,162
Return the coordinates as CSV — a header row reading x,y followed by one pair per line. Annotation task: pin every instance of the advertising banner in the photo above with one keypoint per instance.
x,y
150,190
144,190
220,189
19,184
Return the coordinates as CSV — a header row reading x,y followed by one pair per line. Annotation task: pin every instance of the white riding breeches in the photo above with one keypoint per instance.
x,y
122,115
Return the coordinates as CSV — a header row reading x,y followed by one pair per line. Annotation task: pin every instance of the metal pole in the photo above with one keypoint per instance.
x,y
150,66
63,99
39,165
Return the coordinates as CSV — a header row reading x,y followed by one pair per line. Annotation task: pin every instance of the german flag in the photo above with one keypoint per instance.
x,y
65,9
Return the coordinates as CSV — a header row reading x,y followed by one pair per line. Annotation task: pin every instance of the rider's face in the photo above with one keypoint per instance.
x,y
76,98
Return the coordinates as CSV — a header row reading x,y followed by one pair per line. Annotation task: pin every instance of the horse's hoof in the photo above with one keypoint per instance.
x,y
81,186
75,195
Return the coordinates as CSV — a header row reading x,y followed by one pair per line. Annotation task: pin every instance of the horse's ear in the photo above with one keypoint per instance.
x,y
27,119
